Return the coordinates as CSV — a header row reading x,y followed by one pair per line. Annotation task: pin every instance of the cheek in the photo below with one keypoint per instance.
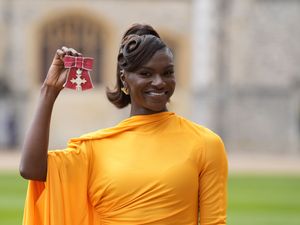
x,y
136,88
172,83
172,87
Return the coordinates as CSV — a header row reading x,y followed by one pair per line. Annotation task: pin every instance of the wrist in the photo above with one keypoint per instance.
x,y
49,93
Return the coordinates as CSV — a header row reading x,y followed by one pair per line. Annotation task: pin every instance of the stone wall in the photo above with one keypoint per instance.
x,y
254,102
77,113
237,66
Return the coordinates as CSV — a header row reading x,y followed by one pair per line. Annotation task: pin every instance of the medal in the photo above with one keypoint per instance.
x,y
79,72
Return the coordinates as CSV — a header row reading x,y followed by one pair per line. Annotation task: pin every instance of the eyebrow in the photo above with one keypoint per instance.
x,y
149,68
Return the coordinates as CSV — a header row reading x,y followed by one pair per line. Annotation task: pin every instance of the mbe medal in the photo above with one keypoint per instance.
x,y
79,72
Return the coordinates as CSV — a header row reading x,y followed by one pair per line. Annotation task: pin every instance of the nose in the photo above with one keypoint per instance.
x,y
157,81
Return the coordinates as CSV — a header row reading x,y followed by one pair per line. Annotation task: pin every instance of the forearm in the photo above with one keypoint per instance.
x,y
34,156
33,163
213,183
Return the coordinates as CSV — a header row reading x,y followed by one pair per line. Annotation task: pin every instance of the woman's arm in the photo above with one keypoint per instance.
x,y
213,183
33,163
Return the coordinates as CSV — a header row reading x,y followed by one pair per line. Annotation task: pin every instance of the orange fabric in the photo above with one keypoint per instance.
x,y
149,169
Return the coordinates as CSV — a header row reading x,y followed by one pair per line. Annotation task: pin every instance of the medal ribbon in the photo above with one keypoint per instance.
x,y
78,75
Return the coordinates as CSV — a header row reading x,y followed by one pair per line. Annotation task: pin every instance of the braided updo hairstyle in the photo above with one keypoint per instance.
x,y
139,43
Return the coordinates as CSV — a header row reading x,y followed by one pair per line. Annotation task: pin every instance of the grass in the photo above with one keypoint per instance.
x,y
12,196
253,199
264,200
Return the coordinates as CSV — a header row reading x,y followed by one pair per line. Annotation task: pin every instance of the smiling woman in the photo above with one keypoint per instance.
x,y
152,85
154,167
139,44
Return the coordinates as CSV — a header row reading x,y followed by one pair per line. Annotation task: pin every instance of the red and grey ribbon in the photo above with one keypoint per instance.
x,y
78,75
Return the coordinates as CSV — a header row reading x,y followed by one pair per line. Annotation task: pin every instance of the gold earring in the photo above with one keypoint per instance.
x,y
125,90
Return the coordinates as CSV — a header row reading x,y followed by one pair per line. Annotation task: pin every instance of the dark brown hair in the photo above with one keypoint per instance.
x,y
139,44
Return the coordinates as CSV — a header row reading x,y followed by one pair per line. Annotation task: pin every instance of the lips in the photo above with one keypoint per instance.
x,y
156,93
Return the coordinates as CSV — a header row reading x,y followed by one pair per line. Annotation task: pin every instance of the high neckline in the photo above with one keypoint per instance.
x,y
159,114
147,118
125,125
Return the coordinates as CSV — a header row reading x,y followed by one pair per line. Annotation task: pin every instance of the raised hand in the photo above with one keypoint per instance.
x,y
33,164
57,74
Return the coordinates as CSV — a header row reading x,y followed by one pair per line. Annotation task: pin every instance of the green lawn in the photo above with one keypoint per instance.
x,y
253,200
264,200
12,195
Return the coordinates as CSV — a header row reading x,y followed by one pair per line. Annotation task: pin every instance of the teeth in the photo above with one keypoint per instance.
x,y
156,93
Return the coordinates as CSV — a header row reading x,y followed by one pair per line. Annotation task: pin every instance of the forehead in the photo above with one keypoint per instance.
x,y
161,58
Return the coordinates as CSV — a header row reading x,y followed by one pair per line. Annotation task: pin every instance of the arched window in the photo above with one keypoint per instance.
x,y
77,32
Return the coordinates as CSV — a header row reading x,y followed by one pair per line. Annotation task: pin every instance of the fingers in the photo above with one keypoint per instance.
x,y
67,51
60,53
70,51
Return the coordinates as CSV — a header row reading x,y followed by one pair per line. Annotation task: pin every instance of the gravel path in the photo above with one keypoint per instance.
x,y
238,163
260,163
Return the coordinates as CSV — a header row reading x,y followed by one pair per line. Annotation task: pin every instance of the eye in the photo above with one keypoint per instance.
x,y
169,73
145,73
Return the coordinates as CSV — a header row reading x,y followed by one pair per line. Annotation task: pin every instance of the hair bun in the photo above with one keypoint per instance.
x,y
136,49
130,44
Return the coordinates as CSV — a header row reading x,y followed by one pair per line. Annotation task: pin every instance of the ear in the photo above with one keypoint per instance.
x,y
122,77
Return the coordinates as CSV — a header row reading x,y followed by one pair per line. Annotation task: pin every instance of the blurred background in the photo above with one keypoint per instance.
x,y
237,69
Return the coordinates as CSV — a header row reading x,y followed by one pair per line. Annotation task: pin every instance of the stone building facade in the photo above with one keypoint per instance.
x,y
236,65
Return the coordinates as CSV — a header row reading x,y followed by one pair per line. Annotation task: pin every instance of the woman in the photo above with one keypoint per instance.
x,y
153,168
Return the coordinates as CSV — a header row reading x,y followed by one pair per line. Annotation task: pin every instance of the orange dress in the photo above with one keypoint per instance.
x,y
158,169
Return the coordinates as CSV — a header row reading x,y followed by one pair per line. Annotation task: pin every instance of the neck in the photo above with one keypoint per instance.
x,y
145,112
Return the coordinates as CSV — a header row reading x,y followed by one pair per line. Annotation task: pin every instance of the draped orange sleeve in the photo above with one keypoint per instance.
x,y
153,169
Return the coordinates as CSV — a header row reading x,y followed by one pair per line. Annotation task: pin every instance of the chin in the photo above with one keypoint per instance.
x,y
157,108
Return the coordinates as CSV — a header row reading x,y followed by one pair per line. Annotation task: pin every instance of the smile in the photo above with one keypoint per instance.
x,y
156,93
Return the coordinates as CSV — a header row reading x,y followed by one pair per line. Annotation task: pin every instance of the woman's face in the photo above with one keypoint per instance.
x,y
151,86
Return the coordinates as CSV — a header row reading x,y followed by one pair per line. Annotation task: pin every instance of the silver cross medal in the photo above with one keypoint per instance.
x,y
78,81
